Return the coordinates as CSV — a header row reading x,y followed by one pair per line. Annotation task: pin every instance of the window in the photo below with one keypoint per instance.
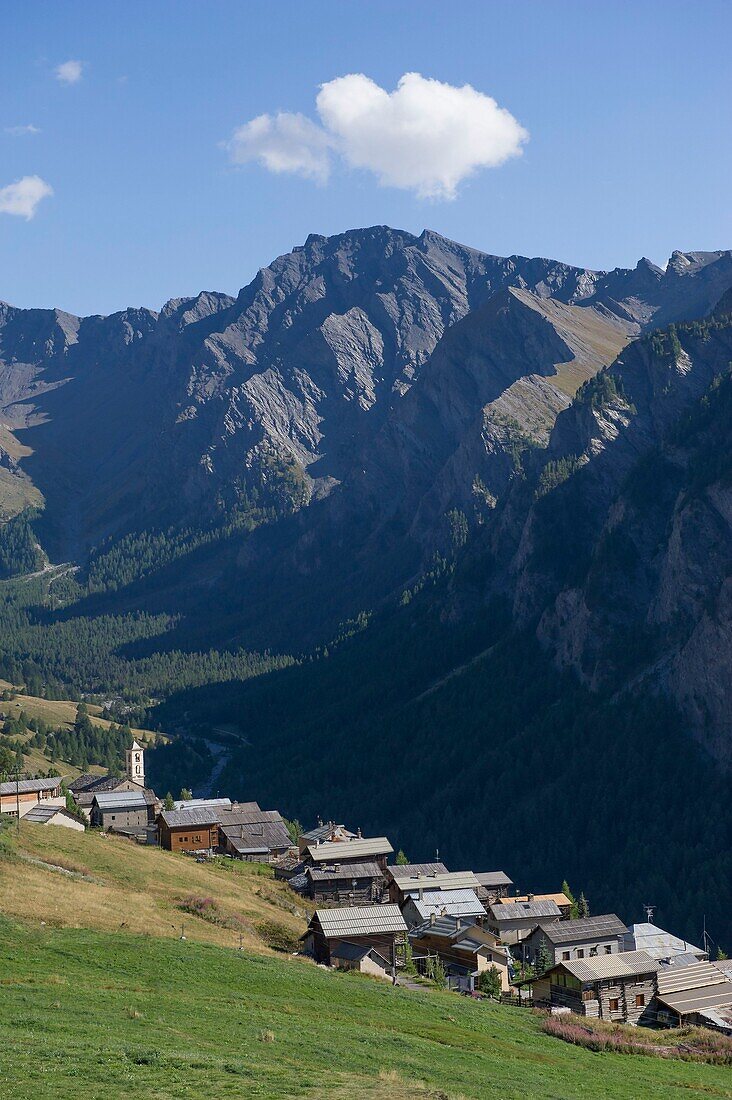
x,y
565,956
640,1000
580,954
608,949
614,1004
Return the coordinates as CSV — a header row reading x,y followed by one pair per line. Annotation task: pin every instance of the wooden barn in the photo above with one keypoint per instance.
x,y
493,885
380,927
195,830
347,883
357,849
617,987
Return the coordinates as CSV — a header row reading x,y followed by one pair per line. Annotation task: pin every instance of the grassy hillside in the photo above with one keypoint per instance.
x,y
99,997
114,885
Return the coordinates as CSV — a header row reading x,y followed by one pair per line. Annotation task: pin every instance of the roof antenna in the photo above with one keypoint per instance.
x,y
649,913
437,855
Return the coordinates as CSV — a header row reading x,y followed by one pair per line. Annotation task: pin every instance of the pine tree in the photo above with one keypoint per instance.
x,y
583,907
169,804
489,982
186,795
573,911
401,859
544,960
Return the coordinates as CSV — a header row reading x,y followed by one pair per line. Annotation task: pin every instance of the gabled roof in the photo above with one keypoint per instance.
x,y
256,836
453,903
493,878
108,801
354,952
346,871
657,942
693,988
360,920
524,910
338,850
448,880
585,928
185,819
624,964
399,871
30,786
461,932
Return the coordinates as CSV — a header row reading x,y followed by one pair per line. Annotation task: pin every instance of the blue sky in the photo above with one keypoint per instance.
x,y
627,106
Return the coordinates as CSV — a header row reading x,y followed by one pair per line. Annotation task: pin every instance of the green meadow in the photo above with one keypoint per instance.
x,y
107,1014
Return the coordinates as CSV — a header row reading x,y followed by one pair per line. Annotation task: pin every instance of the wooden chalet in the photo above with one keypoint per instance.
x,y
513,923
345,883
17,797
616,987
351,850
258,836
575,939
380,927
463,947
192,830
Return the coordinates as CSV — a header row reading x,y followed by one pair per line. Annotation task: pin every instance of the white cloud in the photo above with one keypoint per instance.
x,y
69,72
21,131
283,143
22,197
426,136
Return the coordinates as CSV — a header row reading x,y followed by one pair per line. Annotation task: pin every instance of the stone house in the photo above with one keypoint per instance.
x,y
575,939
617,987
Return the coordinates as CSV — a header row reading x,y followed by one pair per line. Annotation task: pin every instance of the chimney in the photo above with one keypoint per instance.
x,y
358,833
421,894
320,822
458,924
433,917
529,897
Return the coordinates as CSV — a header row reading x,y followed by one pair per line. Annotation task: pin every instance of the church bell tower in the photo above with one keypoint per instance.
x,y
135,764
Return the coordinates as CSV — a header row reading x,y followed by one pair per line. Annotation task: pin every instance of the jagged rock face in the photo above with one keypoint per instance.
x,y
645,521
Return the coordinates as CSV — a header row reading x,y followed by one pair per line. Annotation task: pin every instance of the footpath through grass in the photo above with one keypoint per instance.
x,y
108,1014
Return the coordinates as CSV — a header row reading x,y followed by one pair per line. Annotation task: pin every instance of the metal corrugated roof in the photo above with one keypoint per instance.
x,y
524,909
695,1000
671,979
337,850
493,878
360,920
42,814
324,832
116,799
453,903
29,786
450,880
657,942
624,964
400,871
202,803
354,952
560,899
347,872
584,928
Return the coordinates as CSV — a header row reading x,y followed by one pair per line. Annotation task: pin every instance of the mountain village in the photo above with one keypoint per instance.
x,y
374,912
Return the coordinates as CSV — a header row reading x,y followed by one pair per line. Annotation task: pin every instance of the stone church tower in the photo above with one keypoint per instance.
x,y
135,764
